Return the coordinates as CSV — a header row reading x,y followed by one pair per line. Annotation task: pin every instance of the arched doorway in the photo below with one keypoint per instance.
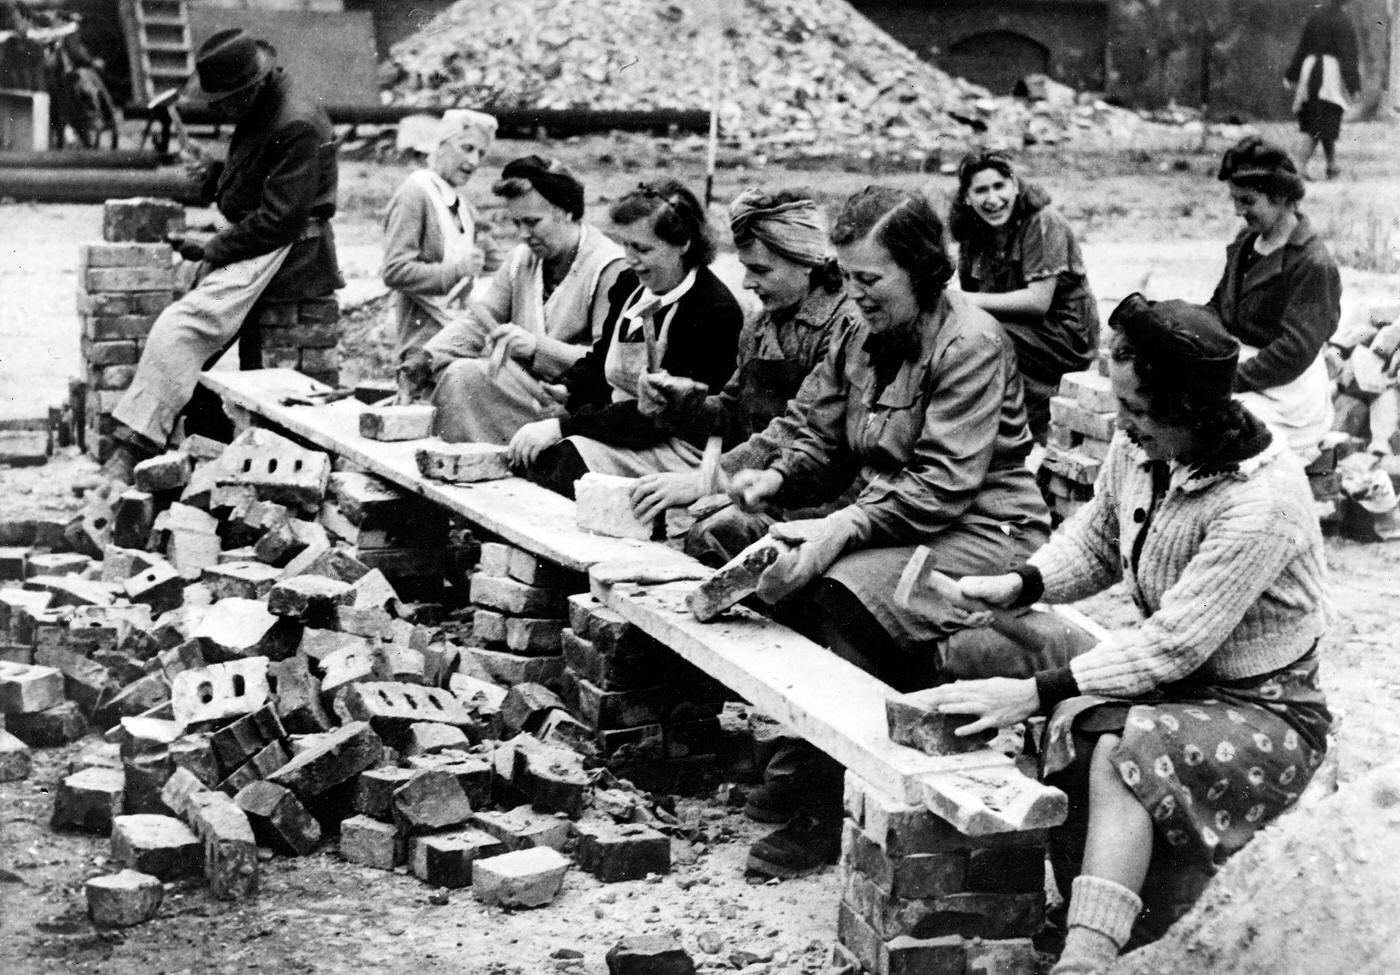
x,y
996,59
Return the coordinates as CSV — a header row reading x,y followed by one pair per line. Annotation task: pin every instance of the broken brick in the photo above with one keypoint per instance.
x,y
526,706
123,899
412,421
371,843
28,688
374,790
431,800
158,845
230,850
242,580
308,599
445,859
516,598
605,507
338,756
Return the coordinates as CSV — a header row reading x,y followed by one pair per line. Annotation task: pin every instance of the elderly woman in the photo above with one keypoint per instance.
x,y
679,317
1178,738
790,266
430,228
1280,295
545,306
1019,260
915,414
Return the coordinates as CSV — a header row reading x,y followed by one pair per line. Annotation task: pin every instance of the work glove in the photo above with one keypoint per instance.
x,y
671,399
819,543
190,250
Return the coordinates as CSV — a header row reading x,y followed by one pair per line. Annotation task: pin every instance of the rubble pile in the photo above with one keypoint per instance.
x,y
278,653
798,78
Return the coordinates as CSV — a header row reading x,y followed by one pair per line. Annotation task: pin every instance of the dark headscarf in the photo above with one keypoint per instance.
x,y
550,180
1182,341
1264,167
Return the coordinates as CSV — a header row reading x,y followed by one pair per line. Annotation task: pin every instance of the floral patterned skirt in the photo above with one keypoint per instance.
x,y
1213,763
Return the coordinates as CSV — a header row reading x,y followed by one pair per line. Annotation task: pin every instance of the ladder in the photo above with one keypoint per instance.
x,y
158,46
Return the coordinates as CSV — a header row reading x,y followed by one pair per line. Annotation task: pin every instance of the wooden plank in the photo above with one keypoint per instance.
x,y
840,709
522,513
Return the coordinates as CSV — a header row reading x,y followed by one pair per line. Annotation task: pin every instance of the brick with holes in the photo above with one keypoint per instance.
x,y
276,468
220,691
391,707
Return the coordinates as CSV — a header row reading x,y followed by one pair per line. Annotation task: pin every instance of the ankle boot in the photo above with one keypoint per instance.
x,y
1101,917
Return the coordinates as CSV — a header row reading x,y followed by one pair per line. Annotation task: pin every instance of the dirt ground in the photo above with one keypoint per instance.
x,y
1149,215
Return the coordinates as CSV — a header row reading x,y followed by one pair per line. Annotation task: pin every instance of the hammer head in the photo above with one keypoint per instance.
x,y
164,100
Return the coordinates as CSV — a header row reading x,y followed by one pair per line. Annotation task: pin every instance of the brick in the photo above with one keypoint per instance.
x,y
1014,956
310,599
242,580
336,563
89,800
489,628
615,852
533,637
1090,390
976,915
230,850
276,467
338,757
643,743
650,954
110,318
426,738
259,766
619,709
15,759
400,422
220,691
1072,465
914,722
400,563
59,725
550,776
431,800
521,878
41,564
240,740
195,753
365,500
1068,413
125,255
110,353
14,563
158,845
522,827
15,603
161,587
610,670
123,899
177,791
561,728
475,775
85,681
901,829
371,843
605,507
127,278
374,790
73,591
301,337
144,220
523,566
318,310
445,859
512,668
391,707
166,472
353,663
516,598
297,696
900,956
736,580
193,541
143,735
237,629
150,302
526,706
910,876
462,463
25,689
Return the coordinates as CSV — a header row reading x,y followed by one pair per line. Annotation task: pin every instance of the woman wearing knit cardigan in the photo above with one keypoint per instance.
x,y
1178,738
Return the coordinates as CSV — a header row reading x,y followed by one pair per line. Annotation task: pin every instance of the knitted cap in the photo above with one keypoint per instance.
x,y
1180,339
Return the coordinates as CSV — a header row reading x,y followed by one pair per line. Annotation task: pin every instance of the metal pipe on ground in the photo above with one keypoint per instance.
x,y
49,185
82,159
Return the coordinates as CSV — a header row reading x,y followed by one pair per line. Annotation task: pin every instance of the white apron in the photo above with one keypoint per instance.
x,y
1298,413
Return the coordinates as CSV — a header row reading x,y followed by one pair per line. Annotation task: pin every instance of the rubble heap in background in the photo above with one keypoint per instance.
x,y
799,77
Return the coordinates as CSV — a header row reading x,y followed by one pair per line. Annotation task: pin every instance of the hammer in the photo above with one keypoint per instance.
x,y
167,100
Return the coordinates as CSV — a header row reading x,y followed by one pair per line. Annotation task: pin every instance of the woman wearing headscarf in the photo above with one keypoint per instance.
x,y
1280,295
1181,737
678,316
790,265
1019,260
545,306
1323,72
430,228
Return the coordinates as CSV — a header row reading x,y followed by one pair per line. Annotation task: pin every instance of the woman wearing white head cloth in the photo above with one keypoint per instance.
x,y
430,228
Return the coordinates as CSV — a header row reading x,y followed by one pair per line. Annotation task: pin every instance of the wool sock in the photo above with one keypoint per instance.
x,y
1100,919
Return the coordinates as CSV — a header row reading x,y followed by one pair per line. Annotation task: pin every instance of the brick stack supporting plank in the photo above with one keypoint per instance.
x,y
519,607
1082,420
299,335
402,536
123,284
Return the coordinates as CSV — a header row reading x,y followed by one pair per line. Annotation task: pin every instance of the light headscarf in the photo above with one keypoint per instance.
x,y
794,228
455,122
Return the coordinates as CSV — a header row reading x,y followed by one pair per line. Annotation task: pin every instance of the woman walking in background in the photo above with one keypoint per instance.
x,y
1323,73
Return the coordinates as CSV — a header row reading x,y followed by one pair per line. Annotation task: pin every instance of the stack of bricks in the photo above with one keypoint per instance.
x,y
918,896
123,284
518,615
1082,420
402,536
299,335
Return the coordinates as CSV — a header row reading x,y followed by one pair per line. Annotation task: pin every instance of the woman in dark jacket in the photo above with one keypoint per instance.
x,y
1324,71
1020,261
680,319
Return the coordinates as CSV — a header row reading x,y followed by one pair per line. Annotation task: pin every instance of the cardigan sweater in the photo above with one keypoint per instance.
x,y
1227,568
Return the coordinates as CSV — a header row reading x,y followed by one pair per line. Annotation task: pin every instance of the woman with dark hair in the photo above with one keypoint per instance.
x,y
1179,738
790,265
1280,295
679,317
1019,260
1323,72
915,417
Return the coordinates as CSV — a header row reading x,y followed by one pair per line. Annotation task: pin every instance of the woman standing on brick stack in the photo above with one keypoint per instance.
x,y
1178,738
1020,261
430,245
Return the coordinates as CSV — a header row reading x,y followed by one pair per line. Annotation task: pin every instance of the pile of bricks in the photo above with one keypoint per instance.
x,y
123,284
1082,420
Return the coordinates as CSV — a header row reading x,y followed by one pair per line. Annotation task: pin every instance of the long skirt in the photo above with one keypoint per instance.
x,y
475,407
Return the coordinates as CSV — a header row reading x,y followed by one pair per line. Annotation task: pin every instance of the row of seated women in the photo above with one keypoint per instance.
x,y
869,409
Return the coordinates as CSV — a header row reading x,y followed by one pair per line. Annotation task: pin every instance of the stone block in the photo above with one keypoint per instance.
x,y
427,738
158,845
462,463
392,707
220,691
123,899
371,843
512,668
176,794
614,852
237,629
526,706
400,422
276,467
339,756
516,598
160,586
240,740
309,599
521,878
522,827
297,696
431,800
533,637
230,850
1098,425
374,790
89,800
59,725
26,688
240,580
649,954
736,580
499,559
914,722
169,471
15,760
143,220
489,628
605,507
445,859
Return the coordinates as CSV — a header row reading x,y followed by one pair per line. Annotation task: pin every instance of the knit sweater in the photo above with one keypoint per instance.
x,y
1227,569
